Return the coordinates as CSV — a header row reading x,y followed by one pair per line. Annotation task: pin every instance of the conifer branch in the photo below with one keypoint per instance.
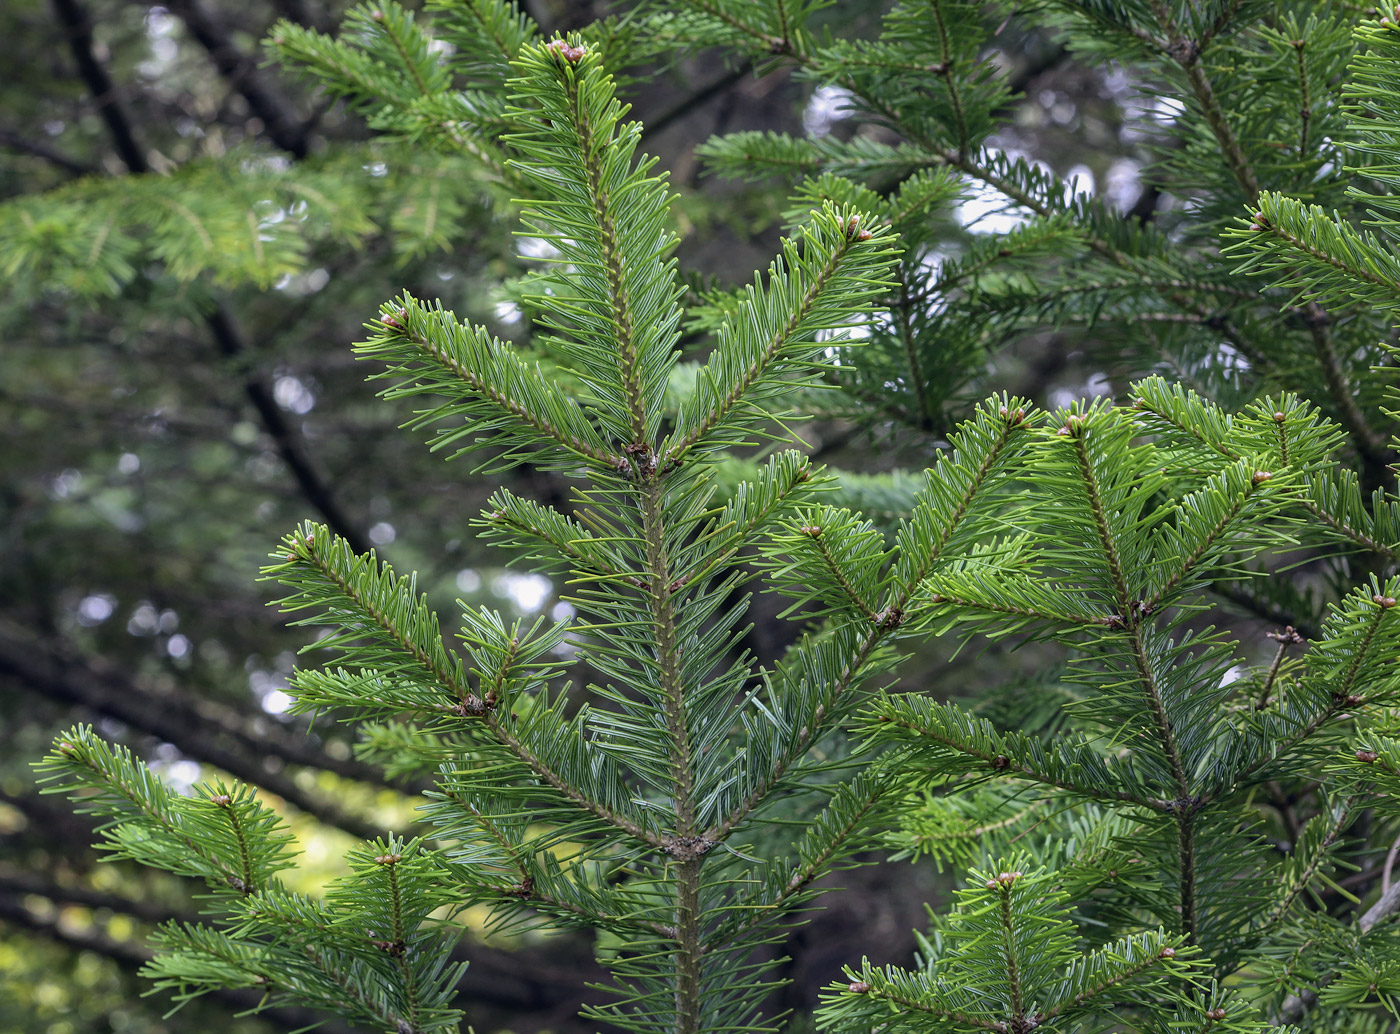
x,y
551,905
1346,529
133,958
735,536
636,401
946,63
347,984
1285,639
772,44
1187,54
1305,103
1362,262
1167,734
1334,518
851,592
1185,806
1185,565
969,485
591,154
849,674
1104,248
566,548
1108,542
527,887
145,806
925,842
772,349
1087,995
1095,621
603,813
937,1010
962,160
1223,17
493,830
1302,879
969,490
1186,869
570,792
804,874
1356,271
689,948
1010,953
436,668
661,600
999,762
469,705
1342,693
390,26
246,882
1341,696
225,837
1296,1006
491,29
492,392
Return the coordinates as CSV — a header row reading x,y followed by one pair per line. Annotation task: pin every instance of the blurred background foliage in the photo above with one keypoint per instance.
x,y
167,412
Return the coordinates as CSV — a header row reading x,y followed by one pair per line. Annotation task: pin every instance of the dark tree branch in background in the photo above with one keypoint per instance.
x,y
51,820
19,884
688,104
289,443
1264,609
541,980
1370,445
221,322
48,677
132,958
1047,61
242,73
13,141
298,11
77,26
102,688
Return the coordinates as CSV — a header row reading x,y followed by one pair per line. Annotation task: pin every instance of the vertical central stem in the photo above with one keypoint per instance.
x,y
688,946
1186,856
1185,805
687,867
685,846
1013,964
668,653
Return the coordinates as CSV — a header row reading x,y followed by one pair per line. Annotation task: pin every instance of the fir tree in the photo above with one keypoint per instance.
x,y
1165,851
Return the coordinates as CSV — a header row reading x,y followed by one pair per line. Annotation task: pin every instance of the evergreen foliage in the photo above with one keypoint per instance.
x,y
1158,830
233,221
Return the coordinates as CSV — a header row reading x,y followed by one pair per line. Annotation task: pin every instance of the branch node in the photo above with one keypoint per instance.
x,y
687,848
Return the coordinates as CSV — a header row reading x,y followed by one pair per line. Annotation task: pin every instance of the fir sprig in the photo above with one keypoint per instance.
x,y
1006,960
222,834
1189,792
